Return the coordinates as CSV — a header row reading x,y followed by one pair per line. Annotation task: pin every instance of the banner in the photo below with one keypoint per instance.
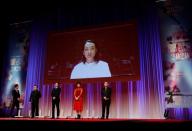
x,y
15,66
177,60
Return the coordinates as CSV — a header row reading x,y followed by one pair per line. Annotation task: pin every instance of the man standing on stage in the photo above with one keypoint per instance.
x,y
106,99
56,100
16,98
34,99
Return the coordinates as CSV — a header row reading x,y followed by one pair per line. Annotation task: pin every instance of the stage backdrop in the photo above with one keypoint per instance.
x,y
131,99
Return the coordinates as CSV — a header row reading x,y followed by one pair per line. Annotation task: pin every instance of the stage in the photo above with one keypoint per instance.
x,y
88,123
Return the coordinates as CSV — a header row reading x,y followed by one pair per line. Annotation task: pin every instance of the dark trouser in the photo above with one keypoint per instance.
x,y
15,103
55,103
166,113
105,104
35,109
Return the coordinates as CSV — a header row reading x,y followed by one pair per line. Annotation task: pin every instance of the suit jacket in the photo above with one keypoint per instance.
x,y
56,93
15,95
35,95
106,93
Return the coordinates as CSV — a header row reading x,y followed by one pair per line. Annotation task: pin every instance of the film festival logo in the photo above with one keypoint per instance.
x,y
179,46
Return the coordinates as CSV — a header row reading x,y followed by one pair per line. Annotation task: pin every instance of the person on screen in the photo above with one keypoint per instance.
x,y
15,100
90,67
56,100
34,99
78,99
106,100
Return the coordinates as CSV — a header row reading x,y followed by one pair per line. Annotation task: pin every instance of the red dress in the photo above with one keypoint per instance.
x,y
78,104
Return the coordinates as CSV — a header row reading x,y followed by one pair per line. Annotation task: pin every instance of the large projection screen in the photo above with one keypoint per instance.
x,y
116,46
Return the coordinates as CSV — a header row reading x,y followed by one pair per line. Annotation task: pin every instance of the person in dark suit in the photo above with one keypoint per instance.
x,y
55,94
16,98
106,99
34,99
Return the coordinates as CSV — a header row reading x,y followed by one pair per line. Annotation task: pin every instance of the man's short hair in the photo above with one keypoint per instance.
x,y
16,85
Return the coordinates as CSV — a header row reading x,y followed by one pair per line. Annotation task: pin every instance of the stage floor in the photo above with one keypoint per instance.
x,y
85,123
89,119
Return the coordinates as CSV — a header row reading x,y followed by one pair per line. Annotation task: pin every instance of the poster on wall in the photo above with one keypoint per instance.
x,y
15,66
177,64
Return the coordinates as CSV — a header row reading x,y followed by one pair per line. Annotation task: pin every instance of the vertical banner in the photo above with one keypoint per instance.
x,y
177,59
15,66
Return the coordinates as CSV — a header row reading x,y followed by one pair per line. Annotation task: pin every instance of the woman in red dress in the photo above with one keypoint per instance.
x,y
78,99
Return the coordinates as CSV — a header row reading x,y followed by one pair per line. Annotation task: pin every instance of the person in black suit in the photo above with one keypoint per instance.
x,y
16,98
56,100
34,99
106,99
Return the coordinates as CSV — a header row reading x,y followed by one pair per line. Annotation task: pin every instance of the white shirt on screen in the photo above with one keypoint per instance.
x,y
91,70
